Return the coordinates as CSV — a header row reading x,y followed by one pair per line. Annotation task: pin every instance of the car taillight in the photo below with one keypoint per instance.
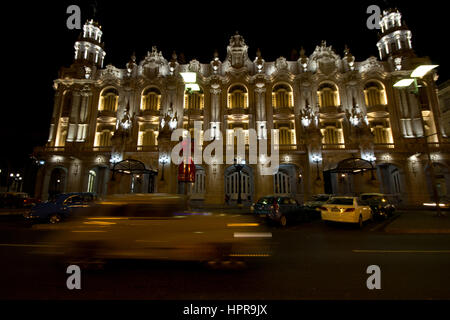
x,y
349,209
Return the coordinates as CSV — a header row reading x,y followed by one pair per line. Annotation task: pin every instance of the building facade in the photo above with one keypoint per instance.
x,y
338,124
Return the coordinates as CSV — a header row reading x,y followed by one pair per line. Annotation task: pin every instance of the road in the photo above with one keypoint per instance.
x,y
313,261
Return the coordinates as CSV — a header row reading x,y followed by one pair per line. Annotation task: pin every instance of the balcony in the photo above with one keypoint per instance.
x,y
283,110
147,148
193,112
237,111
106,115
379,109
148,114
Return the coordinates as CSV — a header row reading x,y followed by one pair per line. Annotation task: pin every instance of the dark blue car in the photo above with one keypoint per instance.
x,y
60,207
280,209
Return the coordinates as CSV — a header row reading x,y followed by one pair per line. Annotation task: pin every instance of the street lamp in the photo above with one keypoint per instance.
x,y
163,159
317,158
420,72
238,167
371,158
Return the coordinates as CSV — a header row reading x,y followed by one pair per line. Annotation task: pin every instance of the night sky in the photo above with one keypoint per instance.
x,y
36,43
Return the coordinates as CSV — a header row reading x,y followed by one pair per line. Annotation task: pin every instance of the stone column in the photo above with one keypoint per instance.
x,y
73,119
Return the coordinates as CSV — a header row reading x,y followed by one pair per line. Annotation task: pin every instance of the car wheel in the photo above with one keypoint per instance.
x,y
360,221
283,221
55,218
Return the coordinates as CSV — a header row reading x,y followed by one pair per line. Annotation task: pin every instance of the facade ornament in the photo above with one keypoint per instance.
x,y
303,60
131,65
398,63
215,63
356,117
371,64
194,66
173,64
237,51
324,59
349,58
259,61
87,72
308,116
281,64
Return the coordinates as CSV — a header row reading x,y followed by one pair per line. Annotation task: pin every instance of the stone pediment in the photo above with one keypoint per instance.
x,y
324,60
371,64
110,72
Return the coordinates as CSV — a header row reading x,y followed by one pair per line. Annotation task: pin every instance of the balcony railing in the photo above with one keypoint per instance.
x,y
283,110
147,148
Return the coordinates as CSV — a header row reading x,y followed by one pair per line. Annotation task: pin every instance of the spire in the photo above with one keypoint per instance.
x,y
395,39
89,49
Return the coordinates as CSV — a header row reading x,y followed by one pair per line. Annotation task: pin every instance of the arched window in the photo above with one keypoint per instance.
x,y
374,94
281,183
286,133
151,99
237,97
103,138
282,96
148,134
109,100
328,95
199,184
194,100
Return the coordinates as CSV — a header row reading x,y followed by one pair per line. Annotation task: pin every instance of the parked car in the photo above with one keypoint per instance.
x,y
280,209
13,199
60,207
157,227
379,203
312,207
346,209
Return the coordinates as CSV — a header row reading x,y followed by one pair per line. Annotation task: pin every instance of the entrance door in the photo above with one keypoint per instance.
x,y
232,186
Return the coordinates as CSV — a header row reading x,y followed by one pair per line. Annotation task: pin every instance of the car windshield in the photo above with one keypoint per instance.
x,y
370,197
264,201
343,201
320,198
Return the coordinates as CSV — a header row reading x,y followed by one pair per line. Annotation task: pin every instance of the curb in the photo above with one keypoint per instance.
x,y
418,231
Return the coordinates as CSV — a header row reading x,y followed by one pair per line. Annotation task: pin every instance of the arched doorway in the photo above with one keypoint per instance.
x,y
131,176
97,180
391,180
442,180
232,183
350,177
288,181
198,188
57,183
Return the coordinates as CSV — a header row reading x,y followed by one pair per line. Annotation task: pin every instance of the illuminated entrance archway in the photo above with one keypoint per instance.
x,y
138,175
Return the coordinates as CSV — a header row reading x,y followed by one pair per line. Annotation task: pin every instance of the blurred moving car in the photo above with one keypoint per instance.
x,y
444,204
379,203
281,209
61,207
346,209
312,207
13,199
158,227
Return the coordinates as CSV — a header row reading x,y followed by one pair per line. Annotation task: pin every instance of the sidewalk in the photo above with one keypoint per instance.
x,y
415,221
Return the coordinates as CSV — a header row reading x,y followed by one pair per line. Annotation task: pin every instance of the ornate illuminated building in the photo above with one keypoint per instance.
x,y
336,118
